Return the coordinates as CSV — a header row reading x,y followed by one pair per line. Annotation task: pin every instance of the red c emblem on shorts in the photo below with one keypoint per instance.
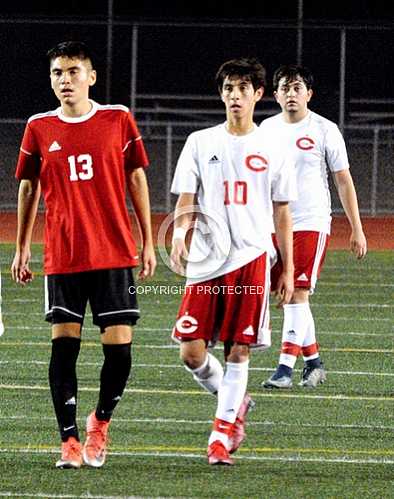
x,y
305,143
256,163
186,324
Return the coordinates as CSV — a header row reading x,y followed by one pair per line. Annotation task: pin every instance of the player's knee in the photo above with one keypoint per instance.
x,y
192,360
66,330
193,354
300,295
238,353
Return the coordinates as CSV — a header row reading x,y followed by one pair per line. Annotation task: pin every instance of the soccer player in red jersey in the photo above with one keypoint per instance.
x,y
83,157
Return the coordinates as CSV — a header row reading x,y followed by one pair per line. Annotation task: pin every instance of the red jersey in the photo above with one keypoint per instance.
x,y
82,164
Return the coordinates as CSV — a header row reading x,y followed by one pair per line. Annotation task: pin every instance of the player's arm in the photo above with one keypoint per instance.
x,y
347,194
139,193
28,199
284,235
183,221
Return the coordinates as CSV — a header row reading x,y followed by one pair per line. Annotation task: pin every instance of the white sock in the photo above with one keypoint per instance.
x,y
230,396
310,341
296,320
209,375
232,390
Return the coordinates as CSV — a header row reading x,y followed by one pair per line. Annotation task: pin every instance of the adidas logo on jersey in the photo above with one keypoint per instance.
x,y
213,160
249,331
302,277
54,147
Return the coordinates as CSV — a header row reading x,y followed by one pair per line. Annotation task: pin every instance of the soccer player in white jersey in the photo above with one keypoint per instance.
x,y
315,144
229,173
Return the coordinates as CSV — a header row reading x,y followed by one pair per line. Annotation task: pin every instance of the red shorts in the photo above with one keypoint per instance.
x,y
233,307
309,250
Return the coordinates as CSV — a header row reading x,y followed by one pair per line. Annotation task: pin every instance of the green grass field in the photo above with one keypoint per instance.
x,y
333,442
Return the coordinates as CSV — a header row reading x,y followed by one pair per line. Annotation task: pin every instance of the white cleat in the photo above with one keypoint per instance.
x,y
284,382
312,377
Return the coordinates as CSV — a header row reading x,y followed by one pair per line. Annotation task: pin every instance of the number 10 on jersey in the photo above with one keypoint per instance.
x,y
235,192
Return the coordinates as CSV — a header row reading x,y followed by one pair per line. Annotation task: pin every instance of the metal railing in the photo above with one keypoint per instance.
x,y
370,149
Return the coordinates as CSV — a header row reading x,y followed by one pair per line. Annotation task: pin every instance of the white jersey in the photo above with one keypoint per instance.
x,y
315,144
236,178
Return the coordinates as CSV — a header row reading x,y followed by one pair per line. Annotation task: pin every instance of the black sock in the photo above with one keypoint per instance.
x,y
113,378
64,385
313,364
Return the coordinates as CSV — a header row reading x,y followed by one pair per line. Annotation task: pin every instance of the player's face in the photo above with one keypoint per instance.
x,y
239,96
293,96
71,79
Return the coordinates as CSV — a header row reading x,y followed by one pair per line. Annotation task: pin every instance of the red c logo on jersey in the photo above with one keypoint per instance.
x,y
186,324
256,163
305,143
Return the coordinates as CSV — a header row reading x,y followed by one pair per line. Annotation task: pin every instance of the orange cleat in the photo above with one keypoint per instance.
x,y
71,455
218,454
95,448
239,434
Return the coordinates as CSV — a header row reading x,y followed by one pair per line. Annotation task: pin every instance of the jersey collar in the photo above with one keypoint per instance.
x,y
78,119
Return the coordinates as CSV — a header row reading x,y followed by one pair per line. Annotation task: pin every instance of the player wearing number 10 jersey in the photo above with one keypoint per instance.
x,y
83,157
231,176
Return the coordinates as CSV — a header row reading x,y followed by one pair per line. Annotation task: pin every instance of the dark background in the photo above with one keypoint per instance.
x,y
180,47
183,60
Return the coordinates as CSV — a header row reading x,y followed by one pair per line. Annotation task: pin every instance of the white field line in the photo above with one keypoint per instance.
x,y
343,286
189,455
328,266
151,291
159,391
343,269
51,495
172,421
7,313
179,366
167,330
315,305
62,496
176,347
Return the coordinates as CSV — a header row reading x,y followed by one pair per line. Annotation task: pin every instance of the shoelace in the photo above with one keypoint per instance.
x,y
73,448
97,438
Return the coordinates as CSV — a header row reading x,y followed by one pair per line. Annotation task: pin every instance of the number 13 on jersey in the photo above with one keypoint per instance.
x,y
235,192
81,167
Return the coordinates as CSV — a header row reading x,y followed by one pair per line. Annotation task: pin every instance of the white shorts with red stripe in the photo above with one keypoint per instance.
x,y
309,250
229,308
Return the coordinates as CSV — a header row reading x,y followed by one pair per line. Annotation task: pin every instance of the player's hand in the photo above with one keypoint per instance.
x,y
179,256
20,270
285,289
358,243
149,263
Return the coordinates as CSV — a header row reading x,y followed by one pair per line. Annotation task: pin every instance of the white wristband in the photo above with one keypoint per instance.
x,y
179,233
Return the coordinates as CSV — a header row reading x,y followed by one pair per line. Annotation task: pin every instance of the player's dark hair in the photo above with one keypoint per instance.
x,y
248,68
70,49
291,73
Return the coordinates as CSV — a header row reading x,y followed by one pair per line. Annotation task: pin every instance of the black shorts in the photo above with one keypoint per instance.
x,y
66,297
